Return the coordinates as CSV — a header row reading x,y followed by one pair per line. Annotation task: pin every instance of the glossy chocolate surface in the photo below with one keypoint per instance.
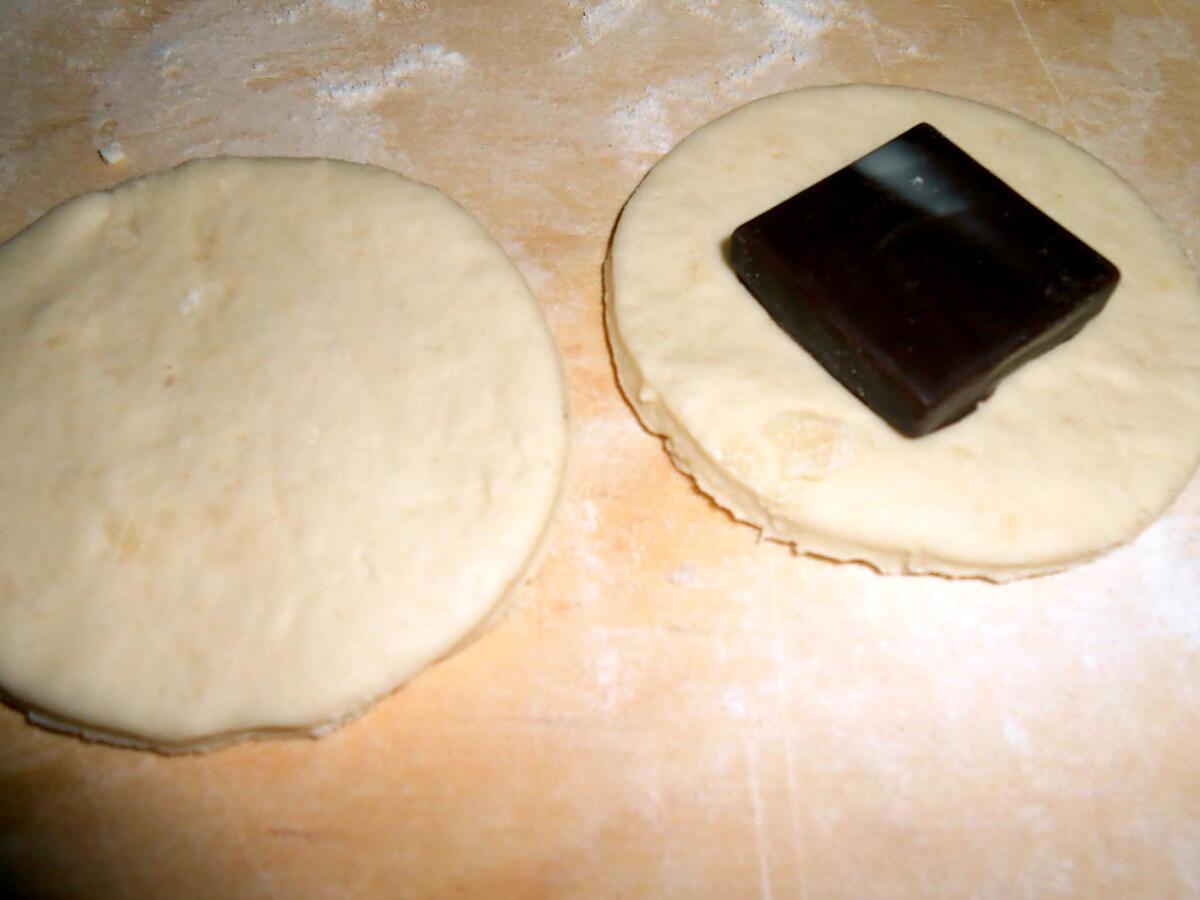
x,y
919,279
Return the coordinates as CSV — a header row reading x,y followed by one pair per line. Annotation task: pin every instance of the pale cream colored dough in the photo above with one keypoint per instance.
x,y
1074,454
274,435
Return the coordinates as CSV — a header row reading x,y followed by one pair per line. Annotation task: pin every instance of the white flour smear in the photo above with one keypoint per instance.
x,y
542,135
607,16
783,34
641,126
423,59
350,7
796,27
212,79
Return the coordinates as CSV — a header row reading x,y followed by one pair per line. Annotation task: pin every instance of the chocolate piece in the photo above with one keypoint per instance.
x,y
919,279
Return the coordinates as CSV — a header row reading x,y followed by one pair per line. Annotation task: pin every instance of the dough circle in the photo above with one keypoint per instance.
x,y
1073,454
274,436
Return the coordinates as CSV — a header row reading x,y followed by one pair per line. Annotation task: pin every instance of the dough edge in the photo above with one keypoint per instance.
x,y
741,502
43,718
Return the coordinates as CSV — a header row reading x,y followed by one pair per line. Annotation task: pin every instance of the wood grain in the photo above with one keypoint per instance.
x,y
672,707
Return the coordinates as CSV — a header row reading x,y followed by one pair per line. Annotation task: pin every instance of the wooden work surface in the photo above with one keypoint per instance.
x,y
671,707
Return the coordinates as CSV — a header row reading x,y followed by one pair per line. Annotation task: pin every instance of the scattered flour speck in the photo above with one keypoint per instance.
x,y
191,300
423,59
703,8
350,7
640,126
537,277
1016,735
734,702
684,576
605,17
591,516
800,18
795,28
291,15
110,17
351,92
752,69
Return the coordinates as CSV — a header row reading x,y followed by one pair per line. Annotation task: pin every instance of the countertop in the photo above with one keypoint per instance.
x,y
671,707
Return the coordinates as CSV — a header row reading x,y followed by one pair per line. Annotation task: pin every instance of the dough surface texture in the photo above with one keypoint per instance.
x,y
1074,454
274,436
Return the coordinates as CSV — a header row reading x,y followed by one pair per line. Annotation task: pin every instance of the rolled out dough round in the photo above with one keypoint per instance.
x,y
1073,454
274,435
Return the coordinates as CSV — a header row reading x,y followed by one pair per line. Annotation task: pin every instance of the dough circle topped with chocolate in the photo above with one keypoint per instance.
x,y
274,435
1074,453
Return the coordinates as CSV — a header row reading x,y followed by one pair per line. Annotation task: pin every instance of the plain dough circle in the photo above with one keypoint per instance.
x,y
274,435
1074,454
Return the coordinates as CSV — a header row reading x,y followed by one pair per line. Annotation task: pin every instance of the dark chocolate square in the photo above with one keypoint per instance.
x,y
919,279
